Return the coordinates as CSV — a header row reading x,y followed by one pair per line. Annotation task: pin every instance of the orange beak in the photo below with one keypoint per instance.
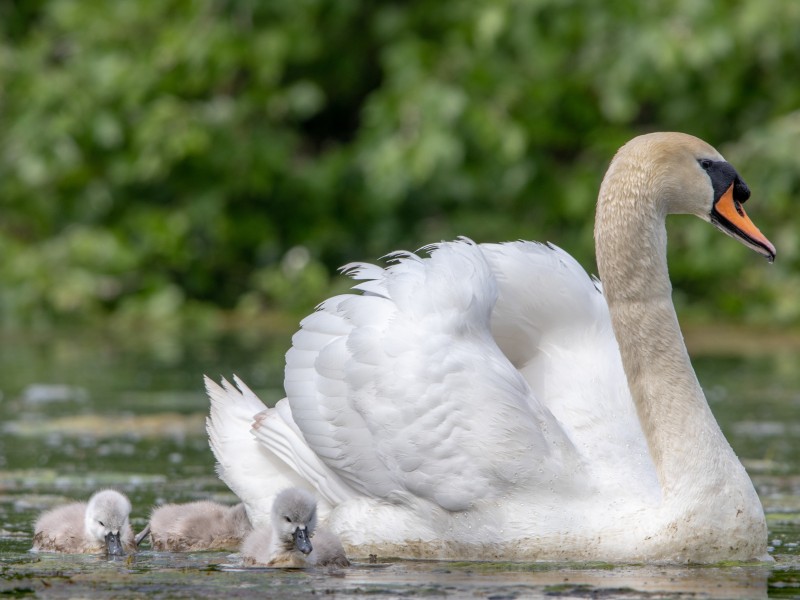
x,y
729,216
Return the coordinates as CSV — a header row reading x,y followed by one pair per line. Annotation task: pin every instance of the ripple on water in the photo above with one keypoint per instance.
x,y
149,441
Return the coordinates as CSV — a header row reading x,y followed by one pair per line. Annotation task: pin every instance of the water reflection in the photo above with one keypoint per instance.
x,y
77,414
160,573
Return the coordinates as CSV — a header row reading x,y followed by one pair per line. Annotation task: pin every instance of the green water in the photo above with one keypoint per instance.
x,y
79,413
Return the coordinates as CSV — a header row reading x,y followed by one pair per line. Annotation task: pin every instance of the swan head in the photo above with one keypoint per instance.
x,y
107,518
294,518
685,175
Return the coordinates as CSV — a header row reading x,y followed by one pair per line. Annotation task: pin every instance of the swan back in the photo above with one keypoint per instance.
x,y
552,322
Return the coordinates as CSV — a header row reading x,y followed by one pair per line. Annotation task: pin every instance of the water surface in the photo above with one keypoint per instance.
x,y
81,412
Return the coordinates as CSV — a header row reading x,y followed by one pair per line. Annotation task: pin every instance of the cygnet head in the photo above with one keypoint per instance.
x,y
294,518
106,518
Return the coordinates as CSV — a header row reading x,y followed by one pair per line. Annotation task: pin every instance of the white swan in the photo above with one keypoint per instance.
x,y
102,525
292,539
492,402
194,526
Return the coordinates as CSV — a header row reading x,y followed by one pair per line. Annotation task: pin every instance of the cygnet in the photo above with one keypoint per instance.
x,y
195,526
287,540
101,525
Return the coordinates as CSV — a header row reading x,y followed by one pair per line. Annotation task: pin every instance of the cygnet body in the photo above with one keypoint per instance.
x,y
201,525
101,525
287,540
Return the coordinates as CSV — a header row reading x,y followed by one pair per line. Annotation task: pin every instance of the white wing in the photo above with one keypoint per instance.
x,y
552,321
403,390
277,432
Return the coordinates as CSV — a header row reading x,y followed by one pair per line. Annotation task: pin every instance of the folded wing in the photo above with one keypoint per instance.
x,y
403,389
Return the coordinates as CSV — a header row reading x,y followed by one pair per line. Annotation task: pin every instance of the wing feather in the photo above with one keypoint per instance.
x,y
251,471
275,431
553,323
469,374
416,396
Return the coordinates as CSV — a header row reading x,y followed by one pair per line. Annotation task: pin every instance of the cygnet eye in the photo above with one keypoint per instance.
x,y
288,520
102,524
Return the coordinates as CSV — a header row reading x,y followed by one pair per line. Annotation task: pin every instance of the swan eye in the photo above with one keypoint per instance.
x,y
101,524
705,163
288,520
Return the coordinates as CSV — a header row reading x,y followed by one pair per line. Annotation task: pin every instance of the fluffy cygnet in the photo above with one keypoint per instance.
x,y
201,525
101,525
287,541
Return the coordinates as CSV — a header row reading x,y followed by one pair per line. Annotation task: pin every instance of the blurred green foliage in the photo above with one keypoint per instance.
x,y
158,157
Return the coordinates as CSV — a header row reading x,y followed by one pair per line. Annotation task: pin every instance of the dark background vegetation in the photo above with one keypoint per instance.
x,y
166,158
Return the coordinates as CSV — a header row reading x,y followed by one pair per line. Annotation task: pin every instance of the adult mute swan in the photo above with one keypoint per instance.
x,y
292,538
493,401
101,525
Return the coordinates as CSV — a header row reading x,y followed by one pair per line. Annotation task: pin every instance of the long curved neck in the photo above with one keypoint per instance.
x,y
684,439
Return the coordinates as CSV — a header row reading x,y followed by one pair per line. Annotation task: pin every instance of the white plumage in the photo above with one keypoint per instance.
x,y
489,401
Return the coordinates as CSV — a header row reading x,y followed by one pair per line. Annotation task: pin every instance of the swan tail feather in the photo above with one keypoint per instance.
x,y
276,431
251,472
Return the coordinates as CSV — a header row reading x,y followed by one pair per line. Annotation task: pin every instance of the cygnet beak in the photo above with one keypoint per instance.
x,y
114,544
301,541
